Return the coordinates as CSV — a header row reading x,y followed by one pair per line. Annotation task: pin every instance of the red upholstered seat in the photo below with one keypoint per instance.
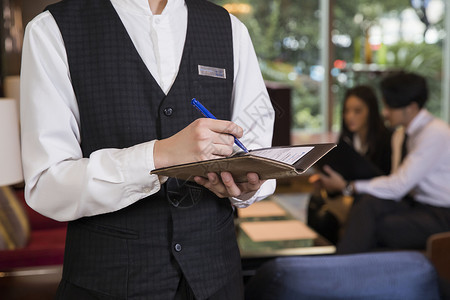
x,y
46,244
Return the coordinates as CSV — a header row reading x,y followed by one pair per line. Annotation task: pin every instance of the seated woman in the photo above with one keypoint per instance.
x,y
363,151
363,127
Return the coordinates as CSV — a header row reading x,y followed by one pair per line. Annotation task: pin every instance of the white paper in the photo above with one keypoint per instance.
x,y
286,155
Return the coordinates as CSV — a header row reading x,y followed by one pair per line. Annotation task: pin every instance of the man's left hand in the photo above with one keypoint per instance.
x,y
224,186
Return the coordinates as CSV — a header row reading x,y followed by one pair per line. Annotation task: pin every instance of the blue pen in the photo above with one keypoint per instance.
x,y
207,114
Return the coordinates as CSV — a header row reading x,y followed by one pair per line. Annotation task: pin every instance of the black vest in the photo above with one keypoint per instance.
x,y
139,251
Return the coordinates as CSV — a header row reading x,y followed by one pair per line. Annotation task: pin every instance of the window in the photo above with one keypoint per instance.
x,y
372,39
285,34
368,40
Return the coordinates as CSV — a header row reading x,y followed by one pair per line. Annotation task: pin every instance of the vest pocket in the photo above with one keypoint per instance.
x,y
106,229
97,258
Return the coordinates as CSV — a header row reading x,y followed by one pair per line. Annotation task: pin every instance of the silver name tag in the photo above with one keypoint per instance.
x,y
211,72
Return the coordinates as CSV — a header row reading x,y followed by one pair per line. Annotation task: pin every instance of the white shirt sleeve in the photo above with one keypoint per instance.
x,y
422,160
60,183
252,108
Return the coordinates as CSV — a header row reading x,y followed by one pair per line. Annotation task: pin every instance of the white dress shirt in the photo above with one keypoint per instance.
x,y
425,171
63,185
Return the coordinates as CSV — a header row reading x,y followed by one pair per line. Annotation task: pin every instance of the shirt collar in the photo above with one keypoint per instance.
x,y
419,121
142,7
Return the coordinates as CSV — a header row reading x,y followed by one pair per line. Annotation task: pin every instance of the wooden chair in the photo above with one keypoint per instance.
x,y
438,252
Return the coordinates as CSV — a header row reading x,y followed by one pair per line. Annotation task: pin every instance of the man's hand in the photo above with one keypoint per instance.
x,y
224,186
202,139
332,181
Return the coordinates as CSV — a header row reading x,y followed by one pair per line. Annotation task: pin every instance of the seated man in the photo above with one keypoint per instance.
x,y
401,210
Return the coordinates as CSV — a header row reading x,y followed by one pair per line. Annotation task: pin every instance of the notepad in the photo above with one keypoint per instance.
x,y
268,163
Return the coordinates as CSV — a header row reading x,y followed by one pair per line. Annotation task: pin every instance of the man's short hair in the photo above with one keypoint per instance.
x,y
401,89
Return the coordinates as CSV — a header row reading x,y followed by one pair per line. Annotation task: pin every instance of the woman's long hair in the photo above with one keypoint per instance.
x,y
376,131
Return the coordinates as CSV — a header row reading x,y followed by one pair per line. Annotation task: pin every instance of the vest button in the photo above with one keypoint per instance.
x,y
168,111
177,247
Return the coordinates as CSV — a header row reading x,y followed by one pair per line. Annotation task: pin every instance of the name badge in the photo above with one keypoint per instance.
x,y
211,72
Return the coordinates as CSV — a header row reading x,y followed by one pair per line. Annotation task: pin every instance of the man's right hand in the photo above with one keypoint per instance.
x,y
202,139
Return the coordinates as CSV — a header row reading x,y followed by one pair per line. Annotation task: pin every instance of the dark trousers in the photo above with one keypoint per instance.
x,y
375,223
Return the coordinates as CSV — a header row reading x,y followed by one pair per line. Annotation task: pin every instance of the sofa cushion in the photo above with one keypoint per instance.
x,y
46,247
375,275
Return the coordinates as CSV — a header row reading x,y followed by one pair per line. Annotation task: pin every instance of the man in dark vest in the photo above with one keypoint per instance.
x,y
106,91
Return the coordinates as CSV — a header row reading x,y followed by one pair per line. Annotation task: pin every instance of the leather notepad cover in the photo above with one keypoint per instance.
x,y
239,165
